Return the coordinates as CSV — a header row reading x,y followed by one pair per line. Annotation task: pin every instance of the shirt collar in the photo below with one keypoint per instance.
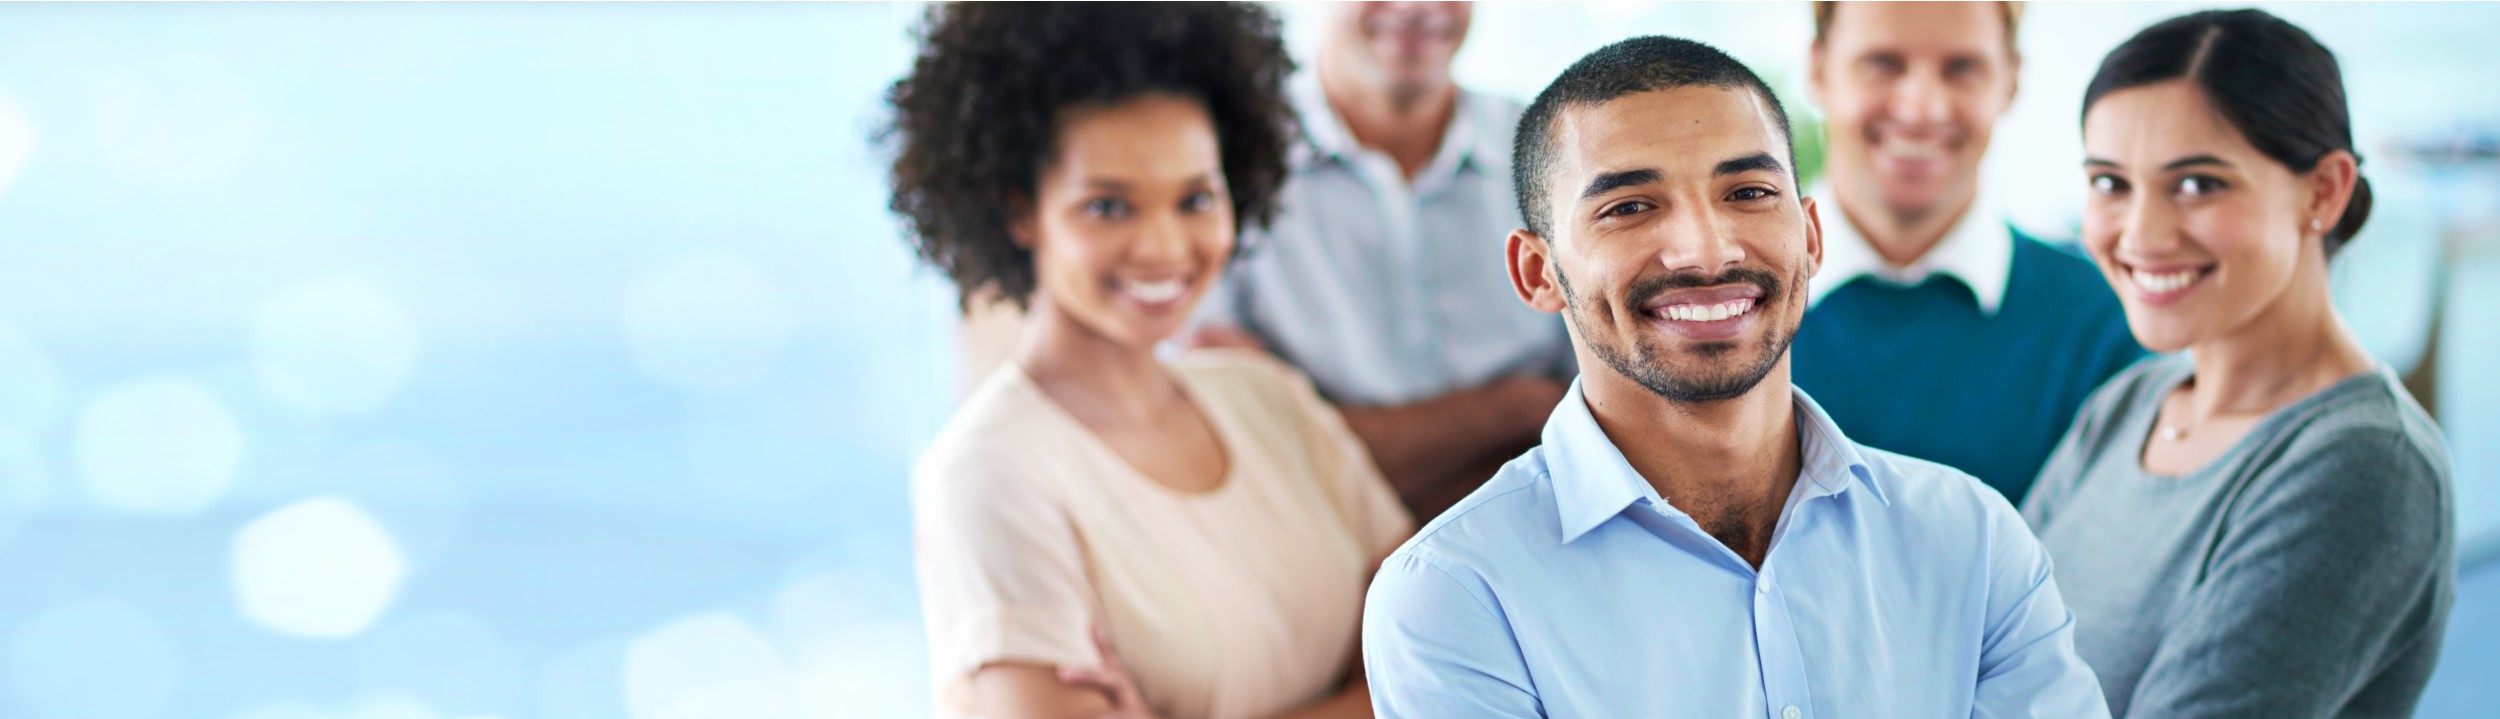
x,y
1324,132
1593,482
1464,142
1979,251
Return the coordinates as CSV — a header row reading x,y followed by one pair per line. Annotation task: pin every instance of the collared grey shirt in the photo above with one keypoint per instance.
x,y
1386,291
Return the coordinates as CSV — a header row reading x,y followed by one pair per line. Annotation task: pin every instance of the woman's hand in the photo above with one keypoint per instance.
x,y
1112,680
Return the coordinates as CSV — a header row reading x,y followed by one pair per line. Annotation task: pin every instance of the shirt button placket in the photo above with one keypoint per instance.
x,y
1768,628
1412,285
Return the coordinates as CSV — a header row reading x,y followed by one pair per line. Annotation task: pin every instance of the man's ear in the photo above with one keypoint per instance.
x,y
1814,236
2015,83
1814,77
1532,272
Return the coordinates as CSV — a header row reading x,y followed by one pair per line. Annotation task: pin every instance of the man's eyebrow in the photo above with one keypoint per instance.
x,y
1610,181
1749,163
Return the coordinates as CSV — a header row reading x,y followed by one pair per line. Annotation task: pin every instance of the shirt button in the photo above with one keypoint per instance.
x,y
1790,712
1762,587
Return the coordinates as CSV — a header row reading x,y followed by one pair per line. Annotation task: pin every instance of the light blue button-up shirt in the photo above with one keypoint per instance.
x,y
1389,291
1567,587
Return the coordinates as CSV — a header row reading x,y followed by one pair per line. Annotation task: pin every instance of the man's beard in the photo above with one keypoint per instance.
x,y
1649,368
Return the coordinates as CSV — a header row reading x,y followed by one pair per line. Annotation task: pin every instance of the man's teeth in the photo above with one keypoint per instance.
x,y
1708,313
1154,292
2164,282
1915,150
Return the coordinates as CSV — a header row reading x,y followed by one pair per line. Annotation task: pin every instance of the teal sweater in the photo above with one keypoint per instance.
x,y
1920,371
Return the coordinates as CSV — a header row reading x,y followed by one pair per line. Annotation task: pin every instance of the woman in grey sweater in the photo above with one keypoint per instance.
x,y
2259,527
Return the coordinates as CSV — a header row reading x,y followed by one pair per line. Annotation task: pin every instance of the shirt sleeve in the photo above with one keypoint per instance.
x,y
1434,646
2064,468
2027,661
1354,481
1002,576
2332,570
2072,458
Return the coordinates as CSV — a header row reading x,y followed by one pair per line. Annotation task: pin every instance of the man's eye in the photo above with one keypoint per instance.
x,y
1628,208
1744,194
1198,201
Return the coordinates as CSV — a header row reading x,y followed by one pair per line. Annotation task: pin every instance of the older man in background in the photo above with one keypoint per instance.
x,y
1383,278
1937,330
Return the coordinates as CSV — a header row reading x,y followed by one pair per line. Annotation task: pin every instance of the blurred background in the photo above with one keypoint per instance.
x,y
560,361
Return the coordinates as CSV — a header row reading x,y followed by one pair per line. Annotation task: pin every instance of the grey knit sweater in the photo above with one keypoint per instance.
x,y
2307,572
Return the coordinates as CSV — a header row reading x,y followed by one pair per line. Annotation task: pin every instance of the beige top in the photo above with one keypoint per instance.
x,y
1240,601
991,326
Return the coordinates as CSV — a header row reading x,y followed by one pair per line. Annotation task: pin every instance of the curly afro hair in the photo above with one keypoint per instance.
x,y
975,122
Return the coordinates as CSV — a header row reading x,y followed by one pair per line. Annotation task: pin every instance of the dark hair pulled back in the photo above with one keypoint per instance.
x,y
2268,78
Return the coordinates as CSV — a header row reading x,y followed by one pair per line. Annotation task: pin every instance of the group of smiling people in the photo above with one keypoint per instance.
x,y
1684,437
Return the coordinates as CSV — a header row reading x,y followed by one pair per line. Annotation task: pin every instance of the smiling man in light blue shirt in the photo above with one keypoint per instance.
x,y
1695,537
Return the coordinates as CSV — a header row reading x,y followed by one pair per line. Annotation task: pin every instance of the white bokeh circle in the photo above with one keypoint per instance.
x,y
709,320
90,659
158,445
320,568
334,346
707,665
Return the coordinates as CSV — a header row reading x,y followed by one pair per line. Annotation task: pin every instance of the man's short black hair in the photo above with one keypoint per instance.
x,y
1640,64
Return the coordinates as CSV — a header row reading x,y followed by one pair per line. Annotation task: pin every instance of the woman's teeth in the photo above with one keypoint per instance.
x,y
2164,282
1154,293
1707,313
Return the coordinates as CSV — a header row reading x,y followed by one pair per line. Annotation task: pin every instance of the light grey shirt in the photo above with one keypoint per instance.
x,y
1387,291
2307,572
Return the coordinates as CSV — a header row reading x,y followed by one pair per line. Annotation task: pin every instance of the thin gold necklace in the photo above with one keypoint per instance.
x,y
2179,432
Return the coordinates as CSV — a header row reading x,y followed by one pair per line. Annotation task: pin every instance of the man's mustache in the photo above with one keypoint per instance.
x,y
1648,289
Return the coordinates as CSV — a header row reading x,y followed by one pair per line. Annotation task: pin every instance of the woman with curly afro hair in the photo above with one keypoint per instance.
x,y
1100,531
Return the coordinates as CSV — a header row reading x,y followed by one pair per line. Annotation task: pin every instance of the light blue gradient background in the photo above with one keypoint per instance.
x,y
597,523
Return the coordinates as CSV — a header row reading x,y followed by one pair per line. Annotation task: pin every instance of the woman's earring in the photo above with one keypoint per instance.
x,y
2316,224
